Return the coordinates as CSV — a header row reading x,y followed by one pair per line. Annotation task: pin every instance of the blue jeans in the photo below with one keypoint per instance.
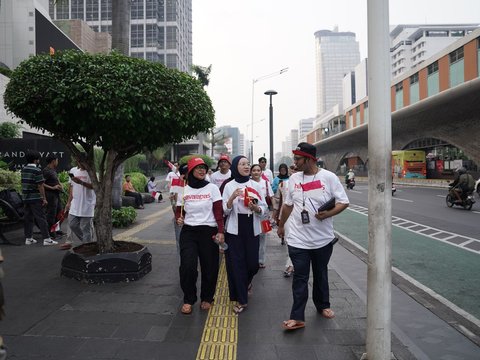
x,y
301,259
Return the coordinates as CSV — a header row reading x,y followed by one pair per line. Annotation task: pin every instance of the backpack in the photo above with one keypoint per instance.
x,y
12,197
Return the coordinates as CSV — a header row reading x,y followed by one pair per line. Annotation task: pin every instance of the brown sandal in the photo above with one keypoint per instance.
x,y
186,309
293,324
205,305
328,313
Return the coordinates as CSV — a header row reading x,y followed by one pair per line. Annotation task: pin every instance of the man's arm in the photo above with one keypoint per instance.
x,y
286,210
339,207
41,189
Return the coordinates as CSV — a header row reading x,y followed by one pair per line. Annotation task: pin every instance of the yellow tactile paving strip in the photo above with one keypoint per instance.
x,y
220,334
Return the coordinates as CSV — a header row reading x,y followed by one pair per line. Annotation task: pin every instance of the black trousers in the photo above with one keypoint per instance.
x,y
241,259
54,206
196,243
301,259
137,196
34,211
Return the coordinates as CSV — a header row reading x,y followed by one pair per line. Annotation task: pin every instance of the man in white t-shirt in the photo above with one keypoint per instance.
x,y
310,233
173,174
80,204
223,173
266,173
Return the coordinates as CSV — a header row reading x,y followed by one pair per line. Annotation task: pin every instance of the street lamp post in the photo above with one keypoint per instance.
x,y
254,81
271,93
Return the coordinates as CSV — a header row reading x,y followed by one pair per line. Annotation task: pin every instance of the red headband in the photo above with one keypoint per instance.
x,y
304,154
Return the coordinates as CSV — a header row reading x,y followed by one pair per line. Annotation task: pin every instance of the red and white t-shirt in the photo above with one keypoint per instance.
x,y
313,191
198,204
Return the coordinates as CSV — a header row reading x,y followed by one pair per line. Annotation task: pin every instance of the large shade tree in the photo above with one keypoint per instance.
x,y
121,104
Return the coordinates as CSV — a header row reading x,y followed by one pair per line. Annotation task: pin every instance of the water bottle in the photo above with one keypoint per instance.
x,y
223,246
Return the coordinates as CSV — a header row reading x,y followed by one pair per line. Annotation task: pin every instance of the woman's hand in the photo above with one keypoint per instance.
x,y
254,207
180,221
234,195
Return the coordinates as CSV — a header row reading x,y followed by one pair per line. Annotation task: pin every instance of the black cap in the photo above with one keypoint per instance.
x,y
306,150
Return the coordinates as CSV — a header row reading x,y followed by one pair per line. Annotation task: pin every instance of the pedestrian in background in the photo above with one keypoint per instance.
x,y
310,233
34,199
53,189
266,191
129,190
176,191
266,172
199,212
245,208
80,205
223,171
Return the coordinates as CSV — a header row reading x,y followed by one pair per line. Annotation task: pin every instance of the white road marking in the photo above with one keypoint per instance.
x,y
441,196
476,212
395,198
354,191
400,223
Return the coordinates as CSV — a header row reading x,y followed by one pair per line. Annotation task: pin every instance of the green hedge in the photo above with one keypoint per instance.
x,y
123,217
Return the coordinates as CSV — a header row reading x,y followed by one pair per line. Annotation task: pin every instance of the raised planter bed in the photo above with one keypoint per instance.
x,y
130,262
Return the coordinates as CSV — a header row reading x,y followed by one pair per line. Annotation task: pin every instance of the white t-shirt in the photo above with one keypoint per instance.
x,y
171,175
314,190
264,185
268,173
83,201
198,205
218,178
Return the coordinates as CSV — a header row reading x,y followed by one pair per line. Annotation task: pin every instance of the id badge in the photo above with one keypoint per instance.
x,y
305,217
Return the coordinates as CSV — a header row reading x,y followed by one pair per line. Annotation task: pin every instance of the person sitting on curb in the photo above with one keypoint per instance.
x,y
130,191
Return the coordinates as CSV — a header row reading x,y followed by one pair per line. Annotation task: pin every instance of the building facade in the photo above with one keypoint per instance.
x,y
160,30
336,54
411,45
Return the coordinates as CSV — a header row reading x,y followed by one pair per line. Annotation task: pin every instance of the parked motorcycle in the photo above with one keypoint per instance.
x,y
394,189
467,199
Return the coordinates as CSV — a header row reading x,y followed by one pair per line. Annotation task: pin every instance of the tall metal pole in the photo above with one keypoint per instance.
x,y
271,93
264,77
379,280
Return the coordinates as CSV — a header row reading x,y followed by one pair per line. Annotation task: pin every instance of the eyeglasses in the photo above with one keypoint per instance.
x,y
296,158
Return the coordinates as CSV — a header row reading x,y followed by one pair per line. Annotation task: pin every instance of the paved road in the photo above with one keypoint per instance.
x,y
426,206
442,261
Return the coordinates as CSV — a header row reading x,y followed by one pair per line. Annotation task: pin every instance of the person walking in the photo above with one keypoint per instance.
x,y
266,172
199,212
310,233
129,190
34,199
80,205
53,189
245,208
266,191
223,171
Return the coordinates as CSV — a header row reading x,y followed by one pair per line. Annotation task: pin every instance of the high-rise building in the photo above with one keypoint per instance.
x,y
336,54
160,30
304,127
410,45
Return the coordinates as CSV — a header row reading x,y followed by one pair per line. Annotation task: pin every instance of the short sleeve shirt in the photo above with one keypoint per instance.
x,y
198,204
309,192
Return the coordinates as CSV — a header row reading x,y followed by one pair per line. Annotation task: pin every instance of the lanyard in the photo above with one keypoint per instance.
x,y
301,185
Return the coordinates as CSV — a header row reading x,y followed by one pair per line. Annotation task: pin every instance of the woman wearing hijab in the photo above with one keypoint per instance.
x,y
244,207
282,176
199,211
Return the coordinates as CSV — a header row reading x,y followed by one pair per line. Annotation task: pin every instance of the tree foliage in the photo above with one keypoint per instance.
x,y
202,74
9,130
120,104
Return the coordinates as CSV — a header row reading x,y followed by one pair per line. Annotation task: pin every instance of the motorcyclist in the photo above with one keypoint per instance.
x,y
462,184
349,176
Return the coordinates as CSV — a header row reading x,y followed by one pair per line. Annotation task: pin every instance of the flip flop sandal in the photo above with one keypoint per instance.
x,y
186,309
238,309
328,313
205,305
293,325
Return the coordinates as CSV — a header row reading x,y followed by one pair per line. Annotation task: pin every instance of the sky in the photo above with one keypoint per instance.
x,y
246,40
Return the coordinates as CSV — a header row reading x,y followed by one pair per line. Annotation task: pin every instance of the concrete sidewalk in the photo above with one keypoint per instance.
x,y
51,317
